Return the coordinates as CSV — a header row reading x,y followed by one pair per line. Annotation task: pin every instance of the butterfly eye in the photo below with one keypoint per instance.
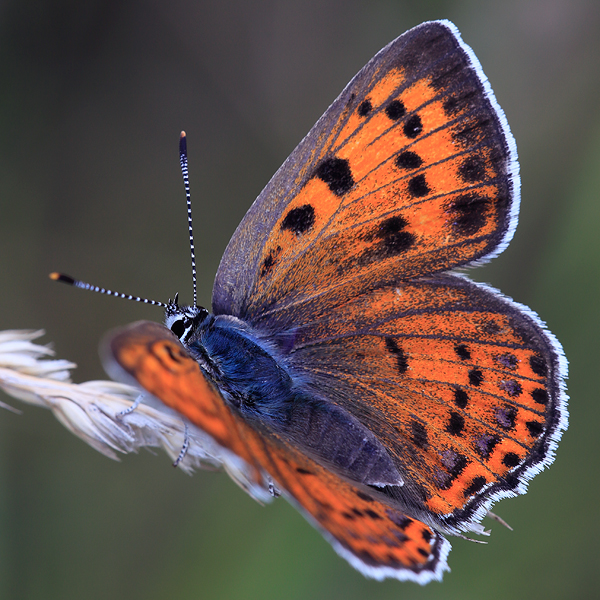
x,y
178,327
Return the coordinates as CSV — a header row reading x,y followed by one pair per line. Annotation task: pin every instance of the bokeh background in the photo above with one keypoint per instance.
x,y
93,96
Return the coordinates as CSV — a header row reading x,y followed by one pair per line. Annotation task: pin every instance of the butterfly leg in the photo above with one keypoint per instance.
x,y
131,408
186,445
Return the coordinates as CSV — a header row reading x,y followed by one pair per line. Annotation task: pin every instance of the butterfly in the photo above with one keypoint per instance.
x,y
346,364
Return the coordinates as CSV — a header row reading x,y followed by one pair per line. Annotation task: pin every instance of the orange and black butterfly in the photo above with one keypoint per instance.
x,y
345,364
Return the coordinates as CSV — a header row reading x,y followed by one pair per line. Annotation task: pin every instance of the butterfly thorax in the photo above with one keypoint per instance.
x,y
252,378
231,356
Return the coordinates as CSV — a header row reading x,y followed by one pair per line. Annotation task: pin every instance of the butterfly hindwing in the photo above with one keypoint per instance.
x,y
460,384
378,539
411,171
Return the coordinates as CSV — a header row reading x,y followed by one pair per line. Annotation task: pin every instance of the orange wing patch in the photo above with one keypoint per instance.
x,y
156,359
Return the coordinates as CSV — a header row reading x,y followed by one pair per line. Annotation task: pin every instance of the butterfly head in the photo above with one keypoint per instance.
x,y
184,320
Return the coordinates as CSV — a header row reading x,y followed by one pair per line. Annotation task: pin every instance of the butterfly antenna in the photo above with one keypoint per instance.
x,y
94,288
183,160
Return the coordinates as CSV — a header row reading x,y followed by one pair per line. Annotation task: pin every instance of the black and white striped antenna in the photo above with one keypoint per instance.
x,y
183,161
94,288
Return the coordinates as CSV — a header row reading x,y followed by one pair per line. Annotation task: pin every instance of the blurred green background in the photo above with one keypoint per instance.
x,y
92,99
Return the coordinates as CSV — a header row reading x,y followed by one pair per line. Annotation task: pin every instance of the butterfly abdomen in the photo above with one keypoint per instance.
x,y
336,439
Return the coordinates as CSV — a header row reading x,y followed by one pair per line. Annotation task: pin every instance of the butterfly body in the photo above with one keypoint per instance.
x,y
345,362
252,378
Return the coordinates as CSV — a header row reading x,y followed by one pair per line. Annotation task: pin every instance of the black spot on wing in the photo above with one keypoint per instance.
x,y
408,160
456,424
270,261
462,352
304,471
395,239
535,428
511,459
468,213
461,398
475,377
365,108
299,220
413,127
417,186
540,396
399,354
364,496
391,226
538,365
373,515
395,110
336,173
476,484
390,239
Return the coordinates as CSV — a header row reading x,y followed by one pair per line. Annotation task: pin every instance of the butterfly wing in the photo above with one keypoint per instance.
x,y
376,538
462,386
412,170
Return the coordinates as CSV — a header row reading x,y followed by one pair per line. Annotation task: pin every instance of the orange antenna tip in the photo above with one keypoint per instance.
x,y
62,277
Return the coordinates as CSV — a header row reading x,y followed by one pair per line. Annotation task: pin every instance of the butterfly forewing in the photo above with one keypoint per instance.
x,y
411,171
154,357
